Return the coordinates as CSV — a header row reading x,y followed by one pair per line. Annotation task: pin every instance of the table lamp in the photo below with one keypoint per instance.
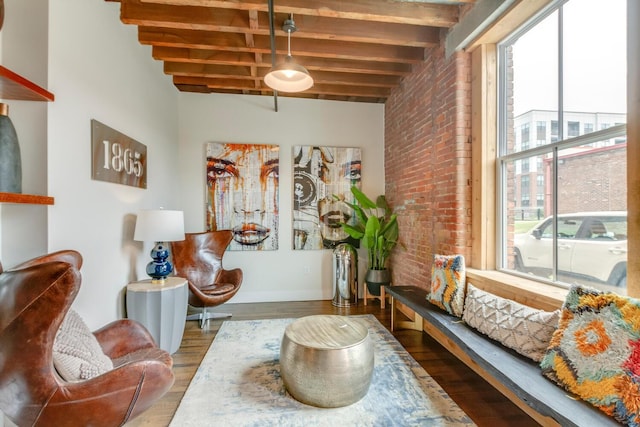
x,y
159,226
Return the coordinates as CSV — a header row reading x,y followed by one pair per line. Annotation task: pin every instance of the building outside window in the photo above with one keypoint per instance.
x,y
554,130
580,193
524,135
573,129
588,127
541,131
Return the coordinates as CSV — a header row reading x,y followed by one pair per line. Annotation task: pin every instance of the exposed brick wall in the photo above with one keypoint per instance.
x,y
603,188
428,164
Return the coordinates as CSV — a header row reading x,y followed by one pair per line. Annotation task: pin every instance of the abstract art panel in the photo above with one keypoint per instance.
x,y
319,173
242,194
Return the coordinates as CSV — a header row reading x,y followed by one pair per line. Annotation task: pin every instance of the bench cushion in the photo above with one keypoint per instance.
x,y
595,353
489,358
524,329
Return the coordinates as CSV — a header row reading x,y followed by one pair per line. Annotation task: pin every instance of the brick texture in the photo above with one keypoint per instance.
x,y
428,164
602,188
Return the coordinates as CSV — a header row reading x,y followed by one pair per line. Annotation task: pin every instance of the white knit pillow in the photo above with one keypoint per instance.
x,y
77,355
521,328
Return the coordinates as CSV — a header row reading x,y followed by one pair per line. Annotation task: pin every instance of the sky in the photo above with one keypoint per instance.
x,y
594,55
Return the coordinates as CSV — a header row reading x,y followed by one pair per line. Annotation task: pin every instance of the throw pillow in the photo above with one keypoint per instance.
x,y
448,279
77,355
595,353
524,329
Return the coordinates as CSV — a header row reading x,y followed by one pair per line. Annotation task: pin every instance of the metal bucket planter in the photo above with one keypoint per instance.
x,y
376,278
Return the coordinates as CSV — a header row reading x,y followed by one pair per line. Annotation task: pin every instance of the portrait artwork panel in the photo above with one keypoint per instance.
x,y
242,193
322,181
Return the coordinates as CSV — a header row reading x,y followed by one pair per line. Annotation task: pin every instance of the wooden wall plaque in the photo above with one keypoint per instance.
x,y
117,158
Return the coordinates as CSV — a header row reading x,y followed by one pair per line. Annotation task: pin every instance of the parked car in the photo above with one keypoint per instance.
x,y
591,246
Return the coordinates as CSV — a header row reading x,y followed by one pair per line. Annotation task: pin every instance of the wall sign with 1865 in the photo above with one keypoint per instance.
x,y
116,157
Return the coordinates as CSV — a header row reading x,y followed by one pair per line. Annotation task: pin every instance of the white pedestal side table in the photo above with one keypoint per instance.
x,y
161,308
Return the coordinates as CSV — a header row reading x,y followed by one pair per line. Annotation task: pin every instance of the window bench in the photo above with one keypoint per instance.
x,y
515,376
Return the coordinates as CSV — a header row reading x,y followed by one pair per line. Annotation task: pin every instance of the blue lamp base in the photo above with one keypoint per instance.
x,y
159,268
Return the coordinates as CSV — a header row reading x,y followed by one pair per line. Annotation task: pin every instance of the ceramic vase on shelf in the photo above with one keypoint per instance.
x,y
10,161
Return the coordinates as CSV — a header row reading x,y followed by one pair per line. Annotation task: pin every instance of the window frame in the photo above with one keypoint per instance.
x,y
504,157
484,119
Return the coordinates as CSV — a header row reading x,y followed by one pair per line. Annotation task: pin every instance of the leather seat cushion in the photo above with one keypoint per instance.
x,y
217,289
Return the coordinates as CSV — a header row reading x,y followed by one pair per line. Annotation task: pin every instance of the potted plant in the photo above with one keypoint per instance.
x,y
377,228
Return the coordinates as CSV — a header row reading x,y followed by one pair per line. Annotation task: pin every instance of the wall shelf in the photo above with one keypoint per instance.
x,y
14,86
31,199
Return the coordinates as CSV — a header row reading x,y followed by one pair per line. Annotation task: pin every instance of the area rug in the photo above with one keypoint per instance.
x,y
238,384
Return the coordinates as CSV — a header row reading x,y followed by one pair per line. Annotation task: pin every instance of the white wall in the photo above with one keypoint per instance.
x,y
282,275
24,51
98,70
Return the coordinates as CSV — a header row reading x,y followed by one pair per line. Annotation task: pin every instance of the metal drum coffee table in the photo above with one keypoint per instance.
x,y
326,360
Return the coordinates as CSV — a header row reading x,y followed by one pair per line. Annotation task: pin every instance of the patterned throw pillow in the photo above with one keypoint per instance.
x,y
516,326
77,355
448,279
595,353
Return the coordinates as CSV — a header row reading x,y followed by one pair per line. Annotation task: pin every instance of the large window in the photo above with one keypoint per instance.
x,y
576,230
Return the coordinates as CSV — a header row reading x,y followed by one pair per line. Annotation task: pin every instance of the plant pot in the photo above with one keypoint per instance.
x,y
376,278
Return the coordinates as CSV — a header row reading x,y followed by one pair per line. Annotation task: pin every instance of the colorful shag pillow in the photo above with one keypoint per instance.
x,y
524,329
595,352
448,279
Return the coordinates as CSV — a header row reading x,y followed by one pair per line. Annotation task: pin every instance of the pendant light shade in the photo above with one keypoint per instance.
x,y
288,76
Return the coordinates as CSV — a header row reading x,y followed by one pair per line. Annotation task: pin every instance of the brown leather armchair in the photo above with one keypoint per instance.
x,y
34,299
198,258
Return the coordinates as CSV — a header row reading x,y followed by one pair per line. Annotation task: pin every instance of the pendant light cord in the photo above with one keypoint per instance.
x,y
273,50
289,37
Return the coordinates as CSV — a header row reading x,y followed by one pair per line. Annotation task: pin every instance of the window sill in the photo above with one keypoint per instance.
x,y
525,291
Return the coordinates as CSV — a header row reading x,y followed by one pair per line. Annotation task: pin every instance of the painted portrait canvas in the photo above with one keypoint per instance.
x,y
319,174
242,193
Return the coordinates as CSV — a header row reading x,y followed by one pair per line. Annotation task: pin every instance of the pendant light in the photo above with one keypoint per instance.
x,y
288,76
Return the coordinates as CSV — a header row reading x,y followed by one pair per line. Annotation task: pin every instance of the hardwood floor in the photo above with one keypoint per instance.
x,y
485,405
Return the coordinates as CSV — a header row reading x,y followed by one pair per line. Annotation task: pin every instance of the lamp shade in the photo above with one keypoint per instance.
x,y
159,225
288,77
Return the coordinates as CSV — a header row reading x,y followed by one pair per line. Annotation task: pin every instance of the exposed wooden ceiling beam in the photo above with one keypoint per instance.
x,y
306,47
415,13
356,50
254,22
219,71
202,56
242,84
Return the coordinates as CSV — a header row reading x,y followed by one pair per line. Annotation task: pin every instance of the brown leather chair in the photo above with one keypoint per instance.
x,y
34,299
198,258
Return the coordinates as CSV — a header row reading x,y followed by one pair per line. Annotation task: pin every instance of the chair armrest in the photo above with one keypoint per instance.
x,y
233,277
123,336
111,398
69,256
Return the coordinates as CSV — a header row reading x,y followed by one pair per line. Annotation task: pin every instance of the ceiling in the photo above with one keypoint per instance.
x,y
356,50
